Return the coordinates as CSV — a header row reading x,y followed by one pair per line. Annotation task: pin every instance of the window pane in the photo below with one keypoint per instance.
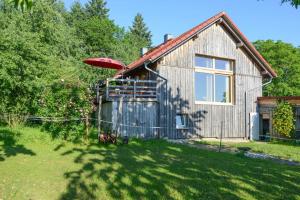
x,y
223,64
203,87
298,122
203,62
181,120
222,90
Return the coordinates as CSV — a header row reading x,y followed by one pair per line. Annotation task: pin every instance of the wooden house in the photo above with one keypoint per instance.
x,y
203,83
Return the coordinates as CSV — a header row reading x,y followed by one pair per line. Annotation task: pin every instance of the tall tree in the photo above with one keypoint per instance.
x,y
285,59
97,8
23,4
140,30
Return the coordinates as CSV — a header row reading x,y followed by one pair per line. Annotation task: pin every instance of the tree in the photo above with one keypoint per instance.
x,y
283,119
285,59
77,13
294,3
23,4
140,30
97,8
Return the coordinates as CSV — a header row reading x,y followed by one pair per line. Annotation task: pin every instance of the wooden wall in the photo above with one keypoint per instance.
x,y
205,120
131,118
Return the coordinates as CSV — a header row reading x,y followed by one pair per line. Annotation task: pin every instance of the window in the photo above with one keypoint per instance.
x,y
213,79
181,121
298,122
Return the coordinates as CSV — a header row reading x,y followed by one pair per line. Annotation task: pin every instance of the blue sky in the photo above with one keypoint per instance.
x,y
263,19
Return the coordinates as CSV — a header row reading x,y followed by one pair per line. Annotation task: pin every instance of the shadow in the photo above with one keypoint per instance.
x,y
154,119
9,146
156,169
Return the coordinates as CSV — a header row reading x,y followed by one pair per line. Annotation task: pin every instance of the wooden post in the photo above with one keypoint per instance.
x,y
134,89
245,115
221,135
87,126
119,119
99,115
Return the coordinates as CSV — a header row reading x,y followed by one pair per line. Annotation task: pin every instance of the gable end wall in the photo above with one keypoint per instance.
x,y
205,120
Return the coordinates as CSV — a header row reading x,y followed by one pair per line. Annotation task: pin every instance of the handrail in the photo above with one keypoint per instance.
x,y
131,89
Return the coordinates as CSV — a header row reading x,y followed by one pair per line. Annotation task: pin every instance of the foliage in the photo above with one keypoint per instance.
x,y
283,119
97,8
294,3
285,59
22,4
140,30
69,104
44,47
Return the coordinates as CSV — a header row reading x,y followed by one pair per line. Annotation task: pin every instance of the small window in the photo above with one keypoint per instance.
x,y
298,122
181,121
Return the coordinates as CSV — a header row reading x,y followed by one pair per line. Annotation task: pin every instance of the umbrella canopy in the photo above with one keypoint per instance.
x,y
105,63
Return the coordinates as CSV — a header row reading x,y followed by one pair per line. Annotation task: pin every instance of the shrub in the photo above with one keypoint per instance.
x,y
283,119
68,103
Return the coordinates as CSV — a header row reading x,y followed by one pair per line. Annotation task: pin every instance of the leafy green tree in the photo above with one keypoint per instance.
x,y
283,119
41,68
77,13
140,30
285,59
294,3
23,4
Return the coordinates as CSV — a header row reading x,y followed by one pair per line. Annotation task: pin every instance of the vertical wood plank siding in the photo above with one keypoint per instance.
x,y
133,118
205,120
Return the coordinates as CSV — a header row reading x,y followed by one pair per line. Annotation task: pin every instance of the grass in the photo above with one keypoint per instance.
x,y
33,166
286,150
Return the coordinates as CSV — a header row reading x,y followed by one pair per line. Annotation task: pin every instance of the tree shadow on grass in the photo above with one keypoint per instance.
x,y
9,146
160,170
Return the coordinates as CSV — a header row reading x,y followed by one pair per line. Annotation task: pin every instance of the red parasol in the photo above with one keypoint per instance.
x,y
105,63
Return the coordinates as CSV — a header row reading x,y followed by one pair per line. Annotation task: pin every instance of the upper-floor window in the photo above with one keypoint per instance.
x,y
213,80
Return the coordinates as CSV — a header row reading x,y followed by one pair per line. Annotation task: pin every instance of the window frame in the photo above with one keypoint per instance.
x,y
214,72
184,118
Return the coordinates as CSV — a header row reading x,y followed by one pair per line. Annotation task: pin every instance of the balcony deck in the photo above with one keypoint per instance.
x,y
129,90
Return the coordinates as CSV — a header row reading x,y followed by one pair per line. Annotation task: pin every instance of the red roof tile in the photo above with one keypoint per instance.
x,y
163,48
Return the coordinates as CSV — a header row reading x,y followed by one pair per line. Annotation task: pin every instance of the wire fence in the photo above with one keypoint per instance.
x,y
57,119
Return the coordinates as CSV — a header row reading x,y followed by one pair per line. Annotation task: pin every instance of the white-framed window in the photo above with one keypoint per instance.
x,y
181,121
213,80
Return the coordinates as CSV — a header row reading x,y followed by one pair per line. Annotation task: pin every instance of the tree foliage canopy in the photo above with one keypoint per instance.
x,y
285,59
140,30
41,69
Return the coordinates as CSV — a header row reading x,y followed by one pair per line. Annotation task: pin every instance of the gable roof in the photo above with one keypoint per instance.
x,y
164,48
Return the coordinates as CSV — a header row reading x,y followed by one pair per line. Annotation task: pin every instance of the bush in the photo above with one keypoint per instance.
x,y
283,119
68,103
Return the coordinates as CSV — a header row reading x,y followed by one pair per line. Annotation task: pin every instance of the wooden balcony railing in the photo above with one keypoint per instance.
x,y
130,89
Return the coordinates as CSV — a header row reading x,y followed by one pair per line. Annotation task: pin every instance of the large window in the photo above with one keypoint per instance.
x,y
213,80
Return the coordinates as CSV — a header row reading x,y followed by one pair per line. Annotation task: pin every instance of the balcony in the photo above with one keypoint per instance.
x,y
129,90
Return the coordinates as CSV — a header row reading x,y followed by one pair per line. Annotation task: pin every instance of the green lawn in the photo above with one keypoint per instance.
x,y
284,150
32,166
